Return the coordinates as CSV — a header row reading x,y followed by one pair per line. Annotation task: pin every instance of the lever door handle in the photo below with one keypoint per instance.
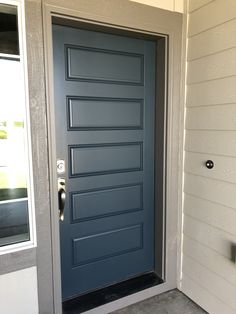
x,y
61,198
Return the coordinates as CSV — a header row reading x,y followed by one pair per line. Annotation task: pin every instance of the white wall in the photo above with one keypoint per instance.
x,y
171,5
18,292
209,274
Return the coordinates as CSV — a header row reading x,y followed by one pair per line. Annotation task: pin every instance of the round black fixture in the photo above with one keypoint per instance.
x,y
209,164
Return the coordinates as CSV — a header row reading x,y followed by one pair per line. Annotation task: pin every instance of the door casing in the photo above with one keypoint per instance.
x,y
172,177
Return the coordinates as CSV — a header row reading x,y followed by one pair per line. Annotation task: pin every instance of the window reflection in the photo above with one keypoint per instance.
x,y
14,221
9,43
12,146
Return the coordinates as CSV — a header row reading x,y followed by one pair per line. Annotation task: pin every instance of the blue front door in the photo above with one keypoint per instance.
x,y
104,113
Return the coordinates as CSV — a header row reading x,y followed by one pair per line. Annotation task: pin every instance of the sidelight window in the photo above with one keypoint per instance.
x,y
16,188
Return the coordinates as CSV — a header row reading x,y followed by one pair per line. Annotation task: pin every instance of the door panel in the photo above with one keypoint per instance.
x,y
104,113
98,159
109,201
84,63
107,244
87,113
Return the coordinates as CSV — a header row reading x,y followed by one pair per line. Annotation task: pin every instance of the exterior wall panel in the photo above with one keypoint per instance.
x,y
209,234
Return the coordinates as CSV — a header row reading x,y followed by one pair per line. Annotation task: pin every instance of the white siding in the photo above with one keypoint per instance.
x,y
208,271
18,292
220,91
196,4
211,15
170,5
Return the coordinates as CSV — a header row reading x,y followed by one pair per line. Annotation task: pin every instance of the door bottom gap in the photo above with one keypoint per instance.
x,y
114,292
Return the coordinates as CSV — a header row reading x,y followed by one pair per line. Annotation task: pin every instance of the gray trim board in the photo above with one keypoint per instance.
x,y
160,155
17,261
37,101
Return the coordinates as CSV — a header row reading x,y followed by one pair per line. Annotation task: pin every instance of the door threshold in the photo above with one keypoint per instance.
x,y
112,293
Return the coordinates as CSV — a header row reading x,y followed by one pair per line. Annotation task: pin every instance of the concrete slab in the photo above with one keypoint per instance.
x,y
171,302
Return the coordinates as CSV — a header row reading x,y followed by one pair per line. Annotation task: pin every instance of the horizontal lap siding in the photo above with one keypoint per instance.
x,y
221,192
216,117
208,270
214,283
215,262
203,297
194,5
220,91
211,15
222,64
217,39
211,142
195,164
171,5
211,213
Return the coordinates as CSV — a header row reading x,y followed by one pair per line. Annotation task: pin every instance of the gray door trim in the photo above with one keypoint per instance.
x,y
155,22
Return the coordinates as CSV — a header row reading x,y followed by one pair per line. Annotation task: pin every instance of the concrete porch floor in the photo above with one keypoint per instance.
x,y
171,302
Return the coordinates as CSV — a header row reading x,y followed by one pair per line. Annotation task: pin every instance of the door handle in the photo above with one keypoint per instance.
x,y
61,198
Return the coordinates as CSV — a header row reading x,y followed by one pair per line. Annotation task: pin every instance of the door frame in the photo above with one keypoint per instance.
x,y
169,26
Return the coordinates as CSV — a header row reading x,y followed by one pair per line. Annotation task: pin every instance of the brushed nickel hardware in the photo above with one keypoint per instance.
x,y
61,166
61,197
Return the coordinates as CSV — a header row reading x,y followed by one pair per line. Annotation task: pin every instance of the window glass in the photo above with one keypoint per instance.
x,y
14,167
9,43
